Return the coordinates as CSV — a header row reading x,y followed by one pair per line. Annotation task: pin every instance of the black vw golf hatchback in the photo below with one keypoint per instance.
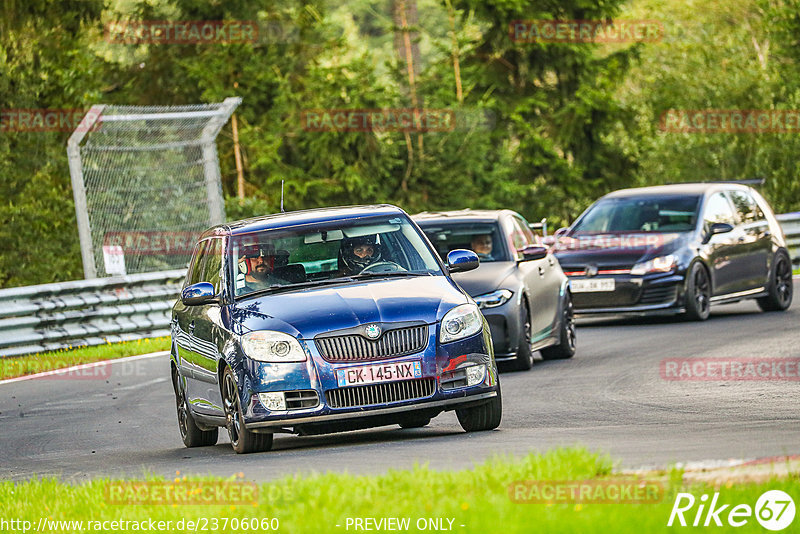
x,y
676,249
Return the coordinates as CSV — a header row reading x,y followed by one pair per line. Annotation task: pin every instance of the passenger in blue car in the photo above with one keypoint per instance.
x,y
258,265
358,253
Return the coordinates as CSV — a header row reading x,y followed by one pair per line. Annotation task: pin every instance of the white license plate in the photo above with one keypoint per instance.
x,y
590,285
370,374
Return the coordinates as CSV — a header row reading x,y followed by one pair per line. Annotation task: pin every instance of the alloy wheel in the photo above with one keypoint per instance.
x,y
783,281
183,413
569,323
702,291
231,405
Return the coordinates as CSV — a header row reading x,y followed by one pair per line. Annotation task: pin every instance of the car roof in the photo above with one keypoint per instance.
x,y
301,217
677,189
460,215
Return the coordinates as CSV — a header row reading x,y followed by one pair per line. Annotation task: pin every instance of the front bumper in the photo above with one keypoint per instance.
x,y
438,389
504,323
642,295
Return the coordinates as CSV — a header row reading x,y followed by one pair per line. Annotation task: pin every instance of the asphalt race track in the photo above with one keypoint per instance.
x,y
610,397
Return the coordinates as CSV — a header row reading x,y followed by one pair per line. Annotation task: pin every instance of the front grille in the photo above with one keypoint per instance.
x,y
355,348
417,388
659,294
296,400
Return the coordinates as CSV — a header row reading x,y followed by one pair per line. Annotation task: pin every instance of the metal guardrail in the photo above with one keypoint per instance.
x,y
790,222
93,312
86,312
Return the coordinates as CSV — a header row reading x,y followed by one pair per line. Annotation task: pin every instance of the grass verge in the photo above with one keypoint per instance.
x,y
59,359
475,500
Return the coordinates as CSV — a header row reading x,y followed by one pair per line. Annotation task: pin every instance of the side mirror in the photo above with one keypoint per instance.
x,y
533,252
199,294
561,231
549,240
461,260
717,228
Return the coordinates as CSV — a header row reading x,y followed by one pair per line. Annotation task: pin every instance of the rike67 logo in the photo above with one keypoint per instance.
x,y
774,510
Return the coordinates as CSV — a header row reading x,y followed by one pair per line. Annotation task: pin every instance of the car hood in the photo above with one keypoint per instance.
x,y
309,312
615,250
486,278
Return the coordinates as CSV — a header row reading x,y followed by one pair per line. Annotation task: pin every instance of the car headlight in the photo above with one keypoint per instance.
x,y
493,299
274,347
661,264
460,322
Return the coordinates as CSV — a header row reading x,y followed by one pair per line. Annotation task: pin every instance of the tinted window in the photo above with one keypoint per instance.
x,y
641,214
746,207
718,210
484,238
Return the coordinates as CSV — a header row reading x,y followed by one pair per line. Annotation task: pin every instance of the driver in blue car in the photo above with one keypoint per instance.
x,y
358,253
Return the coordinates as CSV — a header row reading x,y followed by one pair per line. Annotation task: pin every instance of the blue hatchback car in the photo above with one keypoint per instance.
x,y
323,321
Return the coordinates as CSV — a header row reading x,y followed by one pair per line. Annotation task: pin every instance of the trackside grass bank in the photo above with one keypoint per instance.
x,y
60,359
486,499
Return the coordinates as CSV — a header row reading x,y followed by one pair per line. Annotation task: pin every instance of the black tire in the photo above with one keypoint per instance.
x,y
483,417
524,359
698,293
779,289
243,440
418,421
568,340
191,434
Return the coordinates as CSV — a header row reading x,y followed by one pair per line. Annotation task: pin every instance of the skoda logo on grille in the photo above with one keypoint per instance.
x,y
373,331
591,270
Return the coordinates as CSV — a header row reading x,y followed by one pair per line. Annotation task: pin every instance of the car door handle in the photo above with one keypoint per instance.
x,y
551,261
541,271
191,327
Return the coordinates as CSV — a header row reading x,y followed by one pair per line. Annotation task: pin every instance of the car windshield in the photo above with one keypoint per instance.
x,y
640,214
330,252
483,238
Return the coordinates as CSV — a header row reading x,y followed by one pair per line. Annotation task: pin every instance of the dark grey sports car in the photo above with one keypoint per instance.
x,y
676,249
519,285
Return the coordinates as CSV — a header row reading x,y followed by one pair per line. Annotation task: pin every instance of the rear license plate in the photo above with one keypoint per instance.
x,y
590,285
370,374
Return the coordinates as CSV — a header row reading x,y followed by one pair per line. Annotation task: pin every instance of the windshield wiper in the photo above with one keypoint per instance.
x,y
276,288
388,274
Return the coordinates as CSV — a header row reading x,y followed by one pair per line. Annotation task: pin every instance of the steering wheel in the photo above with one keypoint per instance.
x,y
383,267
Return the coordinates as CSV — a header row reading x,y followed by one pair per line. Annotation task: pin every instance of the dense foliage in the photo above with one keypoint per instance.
x,y
543,128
